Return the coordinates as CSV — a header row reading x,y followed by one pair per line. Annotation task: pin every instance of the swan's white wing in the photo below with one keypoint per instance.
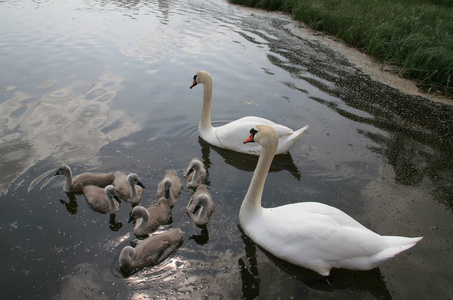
x,y
282,130
310,239
339,216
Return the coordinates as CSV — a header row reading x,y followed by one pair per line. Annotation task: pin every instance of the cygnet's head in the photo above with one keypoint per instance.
x,y
135,180
194,165
137,213
167,185
63,170
112,192
202,200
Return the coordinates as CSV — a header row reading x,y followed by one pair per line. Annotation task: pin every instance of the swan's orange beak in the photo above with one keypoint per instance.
x,y
194,84
250,139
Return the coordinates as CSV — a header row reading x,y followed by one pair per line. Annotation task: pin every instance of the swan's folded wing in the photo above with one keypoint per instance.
x,y
318,236
282,130
339,216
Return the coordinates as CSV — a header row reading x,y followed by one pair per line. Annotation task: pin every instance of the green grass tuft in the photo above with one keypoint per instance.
x,y
416,35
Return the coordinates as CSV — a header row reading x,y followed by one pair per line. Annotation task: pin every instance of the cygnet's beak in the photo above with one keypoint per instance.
x,y
197,207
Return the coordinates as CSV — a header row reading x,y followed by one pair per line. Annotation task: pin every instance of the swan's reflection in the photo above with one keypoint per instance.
x,y
247,162
341,283
72,205
366,284
201,238
113,224
249,269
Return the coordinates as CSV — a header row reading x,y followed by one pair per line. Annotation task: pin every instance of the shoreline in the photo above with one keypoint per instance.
x,y
365,63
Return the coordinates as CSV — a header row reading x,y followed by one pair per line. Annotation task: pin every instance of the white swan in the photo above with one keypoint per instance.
x,y
201,206
226,136
170,187
151,251
309,234
195,173
130,188
76,184
149,219
101,199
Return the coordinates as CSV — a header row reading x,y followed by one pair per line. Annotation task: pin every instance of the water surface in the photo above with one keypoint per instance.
x,y
104,86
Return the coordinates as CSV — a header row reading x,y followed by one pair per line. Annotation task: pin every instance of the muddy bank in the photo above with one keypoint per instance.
x,y
365,63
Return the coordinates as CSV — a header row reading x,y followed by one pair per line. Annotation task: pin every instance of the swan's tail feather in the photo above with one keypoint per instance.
x,y
295,136
289,138
397,244
300,132
401,241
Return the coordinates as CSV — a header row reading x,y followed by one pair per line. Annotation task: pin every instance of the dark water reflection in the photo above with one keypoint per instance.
x,y
104,86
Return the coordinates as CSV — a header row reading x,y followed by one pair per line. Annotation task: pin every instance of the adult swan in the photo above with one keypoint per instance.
x,y
309,234
226,136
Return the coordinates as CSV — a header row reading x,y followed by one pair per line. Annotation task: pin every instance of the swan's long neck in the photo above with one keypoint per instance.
x,y
194,180
143,221
126,257
132,190
68,181
205,120
112,206
170,195
202,213
252,200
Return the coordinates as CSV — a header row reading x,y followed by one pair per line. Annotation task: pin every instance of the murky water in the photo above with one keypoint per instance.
x,y
104,86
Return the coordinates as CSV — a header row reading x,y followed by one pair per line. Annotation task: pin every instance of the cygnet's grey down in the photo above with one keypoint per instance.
x,y
101,199
130,188
170,187
196,173
149,219
151,251
76,184
201,206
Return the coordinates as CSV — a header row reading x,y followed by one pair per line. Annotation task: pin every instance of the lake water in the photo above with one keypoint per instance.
x,y
104,86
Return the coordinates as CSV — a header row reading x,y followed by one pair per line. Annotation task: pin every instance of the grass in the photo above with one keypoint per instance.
x,y
416,35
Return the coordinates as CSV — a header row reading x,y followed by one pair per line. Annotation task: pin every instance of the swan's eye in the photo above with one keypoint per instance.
x,y
253,131
195,77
